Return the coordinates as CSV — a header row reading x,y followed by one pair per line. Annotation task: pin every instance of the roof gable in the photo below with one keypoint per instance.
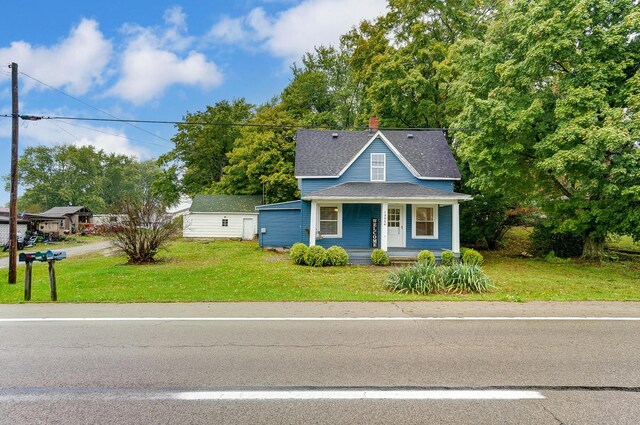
x,y
426,154
225,203
66,210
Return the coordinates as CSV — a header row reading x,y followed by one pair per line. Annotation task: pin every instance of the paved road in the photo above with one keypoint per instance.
x,y
71,252
159,363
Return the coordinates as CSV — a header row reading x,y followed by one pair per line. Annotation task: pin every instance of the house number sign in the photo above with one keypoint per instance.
x,y
374,233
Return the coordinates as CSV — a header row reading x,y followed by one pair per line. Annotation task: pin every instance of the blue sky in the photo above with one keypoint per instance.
x,y
152,60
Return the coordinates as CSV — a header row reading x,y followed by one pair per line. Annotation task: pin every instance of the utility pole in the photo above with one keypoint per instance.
x,y
13,200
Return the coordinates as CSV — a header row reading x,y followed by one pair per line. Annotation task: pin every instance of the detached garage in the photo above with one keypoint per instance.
x,y
222,216
4,228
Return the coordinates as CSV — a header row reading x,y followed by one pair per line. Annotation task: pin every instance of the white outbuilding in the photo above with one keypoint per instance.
x,y
222,216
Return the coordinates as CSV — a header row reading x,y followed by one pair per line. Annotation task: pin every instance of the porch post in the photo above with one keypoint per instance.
x,y
384,212
313,223
455,226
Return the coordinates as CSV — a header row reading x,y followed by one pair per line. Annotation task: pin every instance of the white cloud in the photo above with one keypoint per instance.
x,y
75,64
153,60
294,31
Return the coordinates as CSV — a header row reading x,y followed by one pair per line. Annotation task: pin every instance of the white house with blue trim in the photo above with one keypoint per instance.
x,y
361,190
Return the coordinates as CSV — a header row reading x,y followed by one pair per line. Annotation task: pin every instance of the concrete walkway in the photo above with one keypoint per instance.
x,y
71,252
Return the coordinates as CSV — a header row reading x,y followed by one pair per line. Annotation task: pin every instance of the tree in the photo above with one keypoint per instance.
x,y
142,228
263,158
554,90
201,146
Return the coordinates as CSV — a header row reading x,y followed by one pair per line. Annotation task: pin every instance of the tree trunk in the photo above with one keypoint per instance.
x,y
593,248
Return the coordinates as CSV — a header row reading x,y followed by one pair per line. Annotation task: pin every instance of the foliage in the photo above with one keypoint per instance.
x,y
263,158
379,257
554,92
337,256
316,256
426,256
465,278
297,253
142,228
551,258
546,238
201,145
447,258
472,257
64,175
420,278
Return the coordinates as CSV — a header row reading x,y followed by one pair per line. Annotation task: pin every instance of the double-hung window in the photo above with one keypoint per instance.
x,y
378,171
330,221
425,222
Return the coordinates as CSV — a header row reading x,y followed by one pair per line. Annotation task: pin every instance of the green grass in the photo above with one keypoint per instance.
x,y
241,271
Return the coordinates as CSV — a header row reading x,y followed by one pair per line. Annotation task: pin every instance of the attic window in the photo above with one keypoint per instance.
x,y
378,169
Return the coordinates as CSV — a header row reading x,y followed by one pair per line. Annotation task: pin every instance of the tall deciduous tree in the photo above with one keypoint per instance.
x,y
554,90
201,146
262,160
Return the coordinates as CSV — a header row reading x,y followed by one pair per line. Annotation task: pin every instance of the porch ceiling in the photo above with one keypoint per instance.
x,y
382,191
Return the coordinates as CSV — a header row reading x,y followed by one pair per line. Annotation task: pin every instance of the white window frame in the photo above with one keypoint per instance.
x,y
225,224
339,207
377,167
414,216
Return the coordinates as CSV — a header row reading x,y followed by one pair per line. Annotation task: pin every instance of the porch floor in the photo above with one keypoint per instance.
x,y
396,255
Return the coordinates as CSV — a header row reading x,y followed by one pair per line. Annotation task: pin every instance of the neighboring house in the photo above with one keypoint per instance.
x,y
181,208
4,227
222,216
70,218
362,190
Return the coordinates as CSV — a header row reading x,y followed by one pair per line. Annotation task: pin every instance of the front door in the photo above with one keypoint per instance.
x,y
395,229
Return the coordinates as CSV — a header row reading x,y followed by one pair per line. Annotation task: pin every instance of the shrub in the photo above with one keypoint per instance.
x,y
564,244
472,257
463,278
426,256
379,257
316,256
337,256
421,278
447,258
297,253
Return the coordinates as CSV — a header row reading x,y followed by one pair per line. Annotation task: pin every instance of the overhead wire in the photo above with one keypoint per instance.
x,y
107,133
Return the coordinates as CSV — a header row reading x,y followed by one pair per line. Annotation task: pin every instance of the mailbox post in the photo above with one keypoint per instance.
x,y
43,256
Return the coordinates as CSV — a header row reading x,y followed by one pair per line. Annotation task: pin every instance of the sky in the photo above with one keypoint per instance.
x,y
151,60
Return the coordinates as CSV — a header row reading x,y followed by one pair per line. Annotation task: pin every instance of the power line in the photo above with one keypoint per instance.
x,y
230,124
129,122
110,134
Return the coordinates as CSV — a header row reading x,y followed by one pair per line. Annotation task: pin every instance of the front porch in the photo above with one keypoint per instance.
x,y
397,256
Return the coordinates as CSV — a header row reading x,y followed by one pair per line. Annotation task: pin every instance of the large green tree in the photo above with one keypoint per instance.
x,y
262,160
553,89
202,142
81,175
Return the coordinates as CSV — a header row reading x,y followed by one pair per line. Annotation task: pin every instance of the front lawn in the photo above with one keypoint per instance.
x,y
241,271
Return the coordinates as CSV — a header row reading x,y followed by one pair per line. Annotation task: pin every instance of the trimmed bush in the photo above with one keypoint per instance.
x,y
421,278
447,258
337,256
463,278
297,253
472,257
426,256
379,257
316,256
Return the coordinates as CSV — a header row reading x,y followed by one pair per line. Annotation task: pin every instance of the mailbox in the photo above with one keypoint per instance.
x,y
27,256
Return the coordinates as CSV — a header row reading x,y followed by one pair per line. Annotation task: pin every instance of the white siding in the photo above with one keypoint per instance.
x,y
209,225
4,231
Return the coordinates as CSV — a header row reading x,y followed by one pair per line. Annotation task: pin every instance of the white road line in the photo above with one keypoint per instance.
x,y
312,319
362,395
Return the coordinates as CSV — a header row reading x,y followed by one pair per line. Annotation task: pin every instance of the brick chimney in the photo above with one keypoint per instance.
x,y
373,124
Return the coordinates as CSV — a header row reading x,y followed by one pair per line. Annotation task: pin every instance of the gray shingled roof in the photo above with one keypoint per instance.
x,y
318,153
388,190
63,210
225,203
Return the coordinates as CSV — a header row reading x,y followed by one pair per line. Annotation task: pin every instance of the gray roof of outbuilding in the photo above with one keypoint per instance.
x,y
318,153
63,210
389,190
225,203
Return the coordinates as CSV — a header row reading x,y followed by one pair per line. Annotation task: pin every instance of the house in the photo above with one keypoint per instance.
x,y
222,216
391,189
63,219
